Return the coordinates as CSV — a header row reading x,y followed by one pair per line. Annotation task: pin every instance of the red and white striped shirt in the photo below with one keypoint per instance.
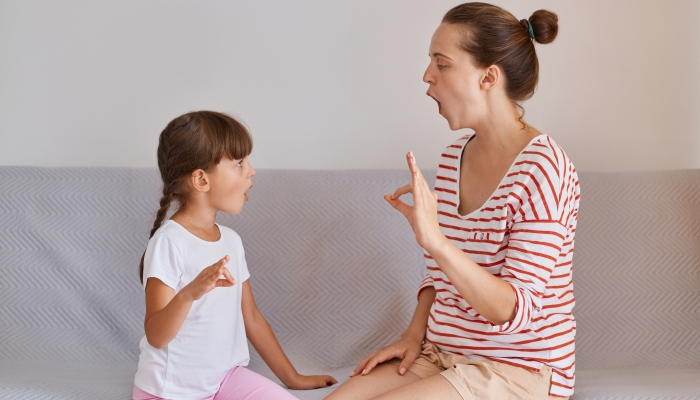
x,y
523,234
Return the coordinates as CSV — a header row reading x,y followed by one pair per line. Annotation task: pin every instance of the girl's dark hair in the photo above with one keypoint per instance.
x,y
196,140
493,36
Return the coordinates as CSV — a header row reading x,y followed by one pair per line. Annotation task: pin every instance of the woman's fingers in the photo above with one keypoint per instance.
x,y
407,361
403,208
361,365
420,186
380,357
401,191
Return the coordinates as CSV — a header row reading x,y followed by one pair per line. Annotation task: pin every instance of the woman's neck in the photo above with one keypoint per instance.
x,y
503,133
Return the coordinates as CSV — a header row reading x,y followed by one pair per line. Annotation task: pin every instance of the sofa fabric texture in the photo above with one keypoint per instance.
x,y
335,271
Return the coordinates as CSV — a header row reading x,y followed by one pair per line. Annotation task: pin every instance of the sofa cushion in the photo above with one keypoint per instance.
x,y
335,271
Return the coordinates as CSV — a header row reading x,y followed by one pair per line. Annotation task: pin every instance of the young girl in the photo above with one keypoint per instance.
x,y
199,303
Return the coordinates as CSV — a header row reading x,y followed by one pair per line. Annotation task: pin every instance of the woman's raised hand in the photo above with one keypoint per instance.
x,y
208,279
406,349
423,215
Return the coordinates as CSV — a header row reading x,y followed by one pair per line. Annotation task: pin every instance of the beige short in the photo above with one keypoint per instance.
x,y
482,379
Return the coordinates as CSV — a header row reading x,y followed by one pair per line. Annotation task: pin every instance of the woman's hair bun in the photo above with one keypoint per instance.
x,y
545,25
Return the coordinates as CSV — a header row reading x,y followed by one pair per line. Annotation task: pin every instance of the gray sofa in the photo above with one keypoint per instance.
x,y
335,271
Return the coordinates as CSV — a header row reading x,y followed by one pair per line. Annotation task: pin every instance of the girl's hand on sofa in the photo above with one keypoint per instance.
x,y
406,348
422,216
208,279
304,382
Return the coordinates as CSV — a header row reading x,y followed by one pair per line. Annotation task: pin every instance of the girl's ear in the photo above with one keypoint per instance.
x,y
200,181
490,77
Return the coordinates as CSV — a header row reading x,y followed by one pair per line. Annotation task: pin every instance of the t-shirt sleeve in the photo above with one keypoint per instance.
x,y
163,260
243,274
427,279
536,238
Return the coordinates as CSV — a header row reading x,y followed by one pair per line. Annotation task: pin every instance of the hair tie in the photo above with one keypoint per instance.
x,y
529,30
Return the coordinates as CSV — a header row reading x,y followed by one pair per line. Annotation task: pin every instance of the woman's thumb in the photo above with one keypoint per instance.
x,y
402,207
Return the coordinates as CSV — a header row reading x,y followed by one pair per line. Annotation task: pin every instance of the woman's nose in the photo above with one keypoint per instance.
x,y
427,76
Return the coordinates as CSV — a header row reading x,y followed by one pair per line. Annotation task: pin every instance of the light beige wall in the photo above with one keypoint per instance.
x,y
332,84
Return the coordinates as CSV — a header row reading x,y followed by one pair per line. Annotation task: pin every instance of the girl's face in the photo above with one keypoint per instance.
x,y
455,82
228,182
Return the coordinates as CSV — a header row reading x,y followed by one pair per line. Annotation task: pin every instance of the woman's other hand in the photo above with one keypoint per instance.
x,y
407,349
422,216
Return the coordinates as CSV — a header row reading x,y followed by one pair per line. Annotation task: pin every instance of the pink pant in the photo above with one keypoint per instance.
x,y
239,384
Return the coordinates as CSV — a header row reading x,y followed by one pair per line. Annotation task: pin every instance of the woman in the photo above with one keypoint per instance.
x,y
494,316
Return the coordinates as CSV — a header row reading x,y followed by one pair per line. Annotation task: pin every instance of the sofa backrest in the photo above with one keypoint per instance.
x,y
637,269
334,268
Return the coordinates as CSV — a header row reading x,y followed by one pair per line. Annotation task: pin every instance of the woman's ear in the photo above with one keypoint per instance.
x,y
200,180
490,77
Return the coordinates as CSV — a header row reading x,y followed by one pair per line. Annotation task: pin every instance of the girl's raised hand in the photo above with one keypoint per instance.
x,y
423,215
305,382
208,279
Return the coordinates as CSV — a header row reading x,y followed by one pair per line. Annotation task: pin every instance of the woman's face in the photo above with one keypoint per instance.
x,y
454,80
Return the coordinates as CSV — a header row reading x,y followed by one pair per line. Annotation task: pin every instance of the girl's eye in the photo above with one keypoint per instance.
x,y
240,164
440,66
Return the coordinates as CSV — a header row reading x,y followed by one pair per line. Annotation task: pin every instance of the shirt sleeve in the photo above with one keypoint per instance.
x,y
163,260
536,238
427,282
243,274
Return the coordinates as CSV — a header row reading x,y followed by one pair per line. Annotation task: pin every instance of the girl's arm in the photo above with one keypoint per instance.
x,y
166,311
264,341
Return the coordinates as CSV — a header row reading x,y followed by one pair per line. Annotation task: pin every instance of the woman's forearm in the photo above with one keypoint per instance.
x,y
490,296
419,322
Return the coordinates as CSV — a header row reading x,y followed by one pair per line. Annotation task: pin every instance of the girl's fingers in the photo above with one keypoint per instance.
x,y
215,269
228,282
227,275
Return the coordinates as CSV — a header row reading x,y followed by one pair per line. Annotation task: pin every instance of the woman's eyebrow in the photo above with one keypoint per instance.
x,y
441,55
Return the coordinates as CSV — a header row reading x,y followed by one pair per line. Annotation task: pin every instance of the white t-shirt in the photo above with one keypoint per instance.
x,y
212,339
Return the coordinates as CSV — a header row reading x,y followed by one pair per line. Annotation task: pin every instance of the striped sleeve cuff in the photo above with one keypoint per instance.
x,y
427,282
523,311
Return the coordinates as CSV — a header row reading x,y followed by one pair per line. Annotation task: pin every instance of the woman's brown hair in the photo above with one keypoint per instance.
x,y
493,36
196,140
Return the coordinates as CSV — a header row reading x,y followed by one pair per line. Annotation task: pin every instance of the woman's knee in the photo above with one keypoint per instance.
x,y
383,378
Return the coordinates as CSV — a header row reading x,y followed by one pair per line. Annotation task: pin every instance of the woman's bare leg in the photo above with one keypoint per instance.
x,y
435,387
382,379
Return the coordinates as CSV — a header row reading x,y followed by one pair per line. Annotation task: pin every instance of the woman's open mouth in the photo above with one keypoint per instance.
x,y
438,103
